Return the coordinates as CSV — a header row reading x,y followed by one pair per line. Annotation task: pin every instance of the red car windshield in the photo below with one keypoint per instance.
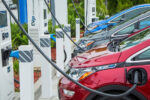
x,y
134,40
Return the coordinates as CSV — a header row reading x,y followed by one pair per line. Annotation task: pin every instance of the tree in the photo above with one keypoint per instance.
x,y
15,1
101,9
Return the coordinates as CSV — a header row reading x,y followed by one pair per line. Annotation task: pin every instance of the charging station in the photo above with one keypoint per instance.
x,y
33,27
90,11
44,36
6,66
5,48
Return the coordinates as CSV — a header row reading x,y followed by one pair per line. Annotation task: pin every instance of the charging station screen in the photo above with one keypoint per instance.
x,y
45,14
3,17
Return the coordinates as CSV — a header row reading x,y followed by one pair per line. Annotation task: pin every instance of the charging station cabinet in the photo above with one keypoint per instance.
x,y
33,27
90,11
6,66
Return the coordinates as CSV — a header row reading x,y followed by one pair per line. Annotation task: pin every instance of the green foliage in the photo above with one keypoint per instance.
x,y
51,29
16,66
15,1
101,9
115,6
18,38
72,14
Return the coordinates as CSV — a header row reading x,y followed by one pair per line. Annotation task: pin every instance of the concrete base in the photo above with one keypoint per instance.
x,y
55,90
37,89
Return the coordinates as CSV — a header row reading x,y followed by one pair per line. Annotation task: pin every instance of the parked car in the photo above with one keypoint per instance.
x,y
120,31
112,46
111,72
118,18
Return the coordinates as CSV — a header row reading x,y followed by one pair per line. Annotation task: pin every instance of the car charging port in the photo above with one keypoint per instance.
x,y
142,76
5,56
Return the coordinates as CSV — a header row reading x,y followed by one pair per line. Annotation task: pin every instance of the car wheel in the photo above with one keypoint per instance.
x,y
129,97
116,89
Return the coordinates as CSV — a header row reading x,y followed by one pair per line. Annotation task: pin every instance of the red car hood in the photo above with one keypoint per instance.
x,y
95,57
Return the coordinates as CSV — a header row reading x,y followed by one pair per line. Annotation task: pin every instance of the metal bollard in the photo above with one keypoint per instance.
x,y
46,68
67,43
77,29
59,50
26,72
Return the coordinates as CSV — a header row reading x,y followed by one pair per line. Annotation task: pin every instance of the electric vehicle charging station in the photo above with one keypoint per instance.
x,y
33,27
89,11
46,72
59,50
91,90
67,43
38,30
6,66
77,29
26,72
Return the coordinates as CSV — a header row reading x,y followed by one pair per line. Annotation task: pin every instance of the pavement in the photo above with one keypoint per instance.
x,y
55,90
37,90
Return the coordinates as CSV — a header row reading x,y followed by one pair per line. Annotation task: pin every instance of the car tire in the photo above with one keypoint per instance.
x,y
116,89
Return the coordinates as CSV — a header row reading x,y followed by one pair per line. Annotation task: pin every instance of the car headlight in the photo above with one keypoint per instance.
x,y
81,73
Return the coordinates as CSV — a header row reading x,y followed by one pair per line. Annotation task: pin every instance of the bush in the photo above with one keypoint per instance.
x,y
72,15
18,38
51,30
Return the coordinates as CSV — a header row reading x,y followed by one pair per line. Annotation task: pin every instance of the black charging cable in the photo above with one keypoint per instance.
x,y
61,25
63,73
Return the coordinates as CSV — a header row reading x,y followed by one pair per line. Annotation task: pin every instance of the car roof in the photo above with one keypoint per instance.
x,y
122,12
130,9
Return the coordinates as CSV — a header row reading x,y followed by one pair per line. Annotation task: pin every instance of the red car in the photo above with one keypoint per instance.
x,y
111,72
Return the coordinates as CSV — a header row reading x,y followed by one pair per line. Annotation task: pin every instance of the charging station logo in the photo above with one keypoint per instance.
x,y
33,21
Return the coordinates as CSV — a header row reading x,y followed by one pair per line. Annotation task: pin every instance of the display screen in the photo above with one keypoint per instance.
x,y
3,19
45,14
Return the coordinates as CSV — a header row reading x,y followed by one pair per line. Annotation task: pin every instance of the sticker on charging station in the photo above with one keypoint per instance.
x,y
59,34
67,29
45,42
26,56
78,21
